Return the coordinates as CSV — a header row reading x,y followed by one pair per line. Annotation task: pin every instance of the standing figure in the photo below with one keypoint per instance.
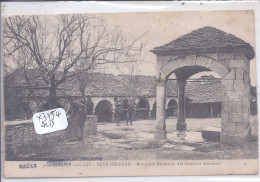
x,y
118,110
79,112
74,108
130,112
82,119
90,105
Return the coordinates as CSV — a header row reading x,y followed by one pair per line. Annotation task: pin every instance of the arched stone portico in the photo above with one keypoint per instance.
x,y
217,51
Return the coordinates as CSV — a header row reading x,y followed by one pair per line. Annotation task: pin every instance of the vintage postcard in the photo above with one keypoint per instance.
x,y
129,94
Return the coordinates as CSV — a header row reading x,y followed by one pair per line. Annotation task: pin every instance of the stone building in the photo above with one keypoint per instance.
x,y
203,99
208,49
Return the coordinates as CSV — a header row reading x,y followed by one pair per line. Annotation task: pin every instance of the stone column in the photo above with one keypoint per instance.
x,y
113,116
160,131
149,114
211,110
181,124
235,107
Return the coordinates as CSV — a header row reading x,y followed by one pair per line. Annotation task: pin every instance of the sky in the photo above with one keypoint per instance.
x,y
163,27
167,26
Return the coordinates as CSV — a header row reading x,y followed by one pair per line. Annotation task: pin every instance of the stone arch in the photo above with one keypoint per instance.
x,y
172,108
103,110
168,99
143,103
143,108
205,62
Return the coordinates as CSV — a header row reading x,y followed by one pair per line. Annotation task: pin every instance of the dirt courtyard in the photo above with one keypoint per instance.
x,y
136,142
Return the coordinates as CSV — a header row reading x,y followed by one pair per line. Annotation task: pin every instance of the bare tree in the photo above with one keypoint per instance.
x,y
114,51
84,80
131,79
20,82
130,73
58,45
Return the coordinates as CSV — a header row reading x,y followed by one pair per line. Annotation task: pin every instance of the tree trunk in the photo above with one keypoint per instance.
x,y
84,97
82,91
53,100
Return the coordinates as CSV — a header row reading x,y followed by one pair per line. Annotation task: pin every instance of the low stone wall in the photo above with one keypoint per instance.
x,y
90,127
20,136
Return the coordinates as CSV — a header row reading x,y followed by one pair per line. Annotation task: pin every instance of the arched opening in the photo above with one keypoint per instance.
x,y
103,111
203,97
185,72
200,88
172,109
153,113
196,52
199,95
142,111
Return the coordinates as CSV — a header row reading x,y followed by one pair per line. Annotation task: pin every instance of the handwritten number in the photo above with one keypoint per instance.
x,y
48,121
58,114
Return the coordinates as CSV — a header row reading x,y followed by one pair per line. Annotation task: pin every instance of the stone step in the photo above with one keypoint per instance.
x,y
211,134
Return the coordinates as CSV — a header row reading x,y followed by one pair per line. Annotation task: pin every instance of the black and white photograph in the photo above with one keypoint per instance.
x,y
162,93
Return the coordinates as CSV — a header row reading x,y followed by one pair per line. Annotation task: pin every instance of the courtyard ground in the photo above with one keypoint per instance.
x,y
136,142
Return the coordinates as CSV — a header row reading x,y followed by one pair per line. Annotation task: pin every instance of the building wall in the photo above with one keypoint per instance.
x,y
203,110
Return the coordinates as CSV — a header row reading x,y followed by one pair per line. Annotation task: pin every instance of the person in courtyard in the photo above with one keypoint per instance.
x,y
83,112
78,110
118,110
130,112
74,108
90,105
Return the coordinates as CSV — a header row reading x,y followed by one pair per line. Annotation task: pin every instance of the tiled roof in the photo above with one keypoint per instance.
x,y
203,92
206,40
107,85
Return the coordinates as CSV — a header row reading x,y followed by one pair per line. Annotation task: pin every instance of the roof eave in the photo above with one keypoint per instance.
x,y
247,49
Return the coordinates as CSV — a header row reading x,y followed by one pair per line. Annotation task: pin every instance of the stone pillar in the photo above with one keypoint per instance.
x,y
235,108
211,110
160,131
149,114
181,124
113,116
